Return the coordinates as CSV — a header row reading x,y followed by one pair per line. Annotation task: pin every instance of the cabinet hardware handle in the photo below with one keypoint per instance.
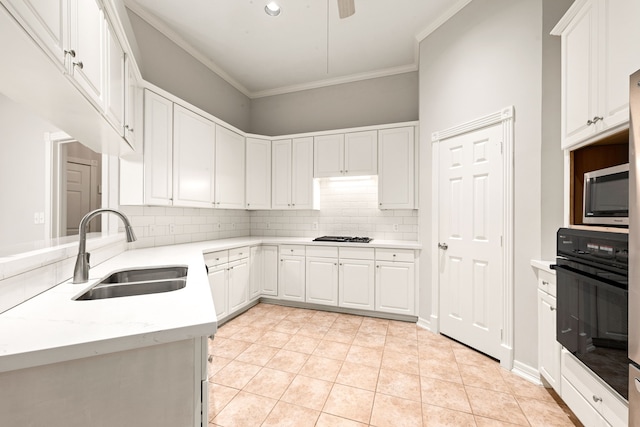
x,y
443,246
545,283
79,64
377,266
595,120
341,264
230,268
597,398
552,308
335,263
346,171
240,254
70,52
210,359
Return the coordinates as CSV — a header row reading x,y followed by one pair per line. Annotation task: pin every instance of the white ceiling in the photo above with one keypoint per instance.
x,y
306,46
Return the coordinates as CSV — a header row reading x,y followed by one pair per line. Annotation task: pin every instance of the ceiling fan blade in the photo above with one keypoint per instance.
x,y
346,8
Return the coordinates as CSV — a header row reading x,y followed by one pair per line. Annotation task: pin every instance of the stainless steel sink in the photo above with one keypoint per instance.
x,y
139,281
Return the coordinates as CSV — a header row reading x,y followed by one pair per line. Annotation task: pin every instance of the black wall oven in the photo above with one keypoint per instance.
x,y
592,315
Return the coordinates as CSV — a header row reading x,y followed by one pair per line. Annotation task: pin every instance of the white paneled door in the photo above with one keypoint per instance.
x,y
470,238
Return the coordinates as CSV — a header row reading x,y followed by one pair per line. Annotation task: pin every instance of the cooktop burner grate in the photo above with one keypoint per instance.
x,y
348,239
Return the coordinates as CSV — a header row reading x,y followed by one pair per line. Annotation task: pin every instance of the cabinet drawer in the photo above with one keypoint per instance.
x,y
323,251
238,253
357,253
403,255
579,406
297,250
547,282
216,258
600,396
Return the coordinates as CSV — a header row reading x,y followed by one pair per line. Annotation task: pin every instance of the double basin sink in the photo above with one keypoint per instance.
x,y
138,281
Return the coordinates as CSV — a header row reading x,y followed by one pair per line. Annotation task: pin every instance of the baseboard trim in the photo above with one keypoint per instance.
x,y
527,372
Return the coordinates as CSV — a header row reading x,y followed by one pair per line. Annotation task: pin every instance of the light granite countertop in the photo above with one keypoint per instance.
x,y
52,327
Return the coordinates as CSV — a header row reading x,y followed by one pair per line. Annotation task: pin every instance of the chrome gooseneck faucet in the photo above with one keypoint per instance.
x,y
81,270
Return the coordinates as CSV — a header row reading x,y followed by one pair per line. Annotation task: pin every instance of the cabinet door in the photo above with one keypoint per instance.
x,y
258,174
395,287
322,281
548,347
619,32
238,284
229,172
47,20
257,275
193,145
132,107
302,174
328,155
356,284
270,270
361,153
115,81
396,168
291,278
218,284
158,150
579,78
281,174
87,41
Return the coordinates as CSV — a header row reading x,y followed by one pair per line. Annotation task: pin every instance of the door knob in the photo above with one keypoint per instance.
x,y
443,246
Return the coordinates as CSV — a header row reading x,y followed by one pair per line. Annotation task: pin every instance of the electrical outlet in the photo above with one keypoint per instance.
x,y
395,227
314,226
41,217
152,229
35,217
172,229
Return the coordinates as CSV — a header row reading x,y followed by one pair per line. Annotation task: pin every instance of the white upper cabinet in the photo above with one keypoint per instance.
x,y
229,170
361,153
193,151
86,60
258,173
351,154
46,20
598,55
158,150
115,89
302,188
132,107
328,155
292,174
396,159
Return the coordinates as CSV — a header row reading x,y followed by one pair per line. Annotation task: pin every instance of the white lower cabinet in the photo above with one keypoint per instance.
x,y
590,399
269,285
356,279
218,285
256,272
291,273
548,347
395,282
322,275
238,284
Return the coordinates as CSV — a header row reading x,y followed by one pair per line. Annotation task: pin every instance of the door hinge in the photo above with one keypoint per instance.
x,y
501,334
501,242
501,147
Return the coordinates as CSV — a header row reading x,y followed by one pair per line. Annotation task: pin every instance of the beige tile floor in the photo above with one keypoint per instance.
x,y
283,366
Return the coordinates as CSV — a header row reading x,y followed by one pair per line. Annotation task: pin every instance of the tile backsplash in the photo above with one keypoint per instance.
x,y
348,207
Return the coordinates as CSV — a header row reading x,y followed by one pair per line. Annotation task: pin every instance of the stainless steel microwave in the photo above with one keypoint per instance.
x,y
606,196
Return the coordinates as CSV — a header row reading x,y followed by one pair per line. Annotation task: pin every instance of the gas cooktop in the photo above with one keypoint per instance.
x,y
343,239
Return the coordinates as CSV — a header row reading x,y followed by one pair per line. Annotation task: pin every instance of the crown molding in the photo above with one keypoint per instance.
x,y
336,81
457,7
183,44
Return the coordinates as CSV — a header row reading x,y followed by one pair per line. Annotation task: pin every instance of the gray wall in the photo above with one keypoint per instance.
x,y
170,67
381,100
552,165
487,57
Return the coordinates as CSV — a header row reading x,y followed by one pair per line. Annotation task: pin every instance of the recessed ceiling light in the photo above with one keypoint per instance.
x,y
272,9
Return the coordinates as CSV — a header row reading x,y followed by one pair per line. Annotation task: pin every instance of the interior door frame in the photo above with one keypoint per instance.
x,y
505,118
53,186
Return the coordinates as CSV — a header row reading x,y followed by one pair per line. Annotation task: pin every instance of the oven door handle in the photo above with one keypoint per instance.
x,y
589,277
